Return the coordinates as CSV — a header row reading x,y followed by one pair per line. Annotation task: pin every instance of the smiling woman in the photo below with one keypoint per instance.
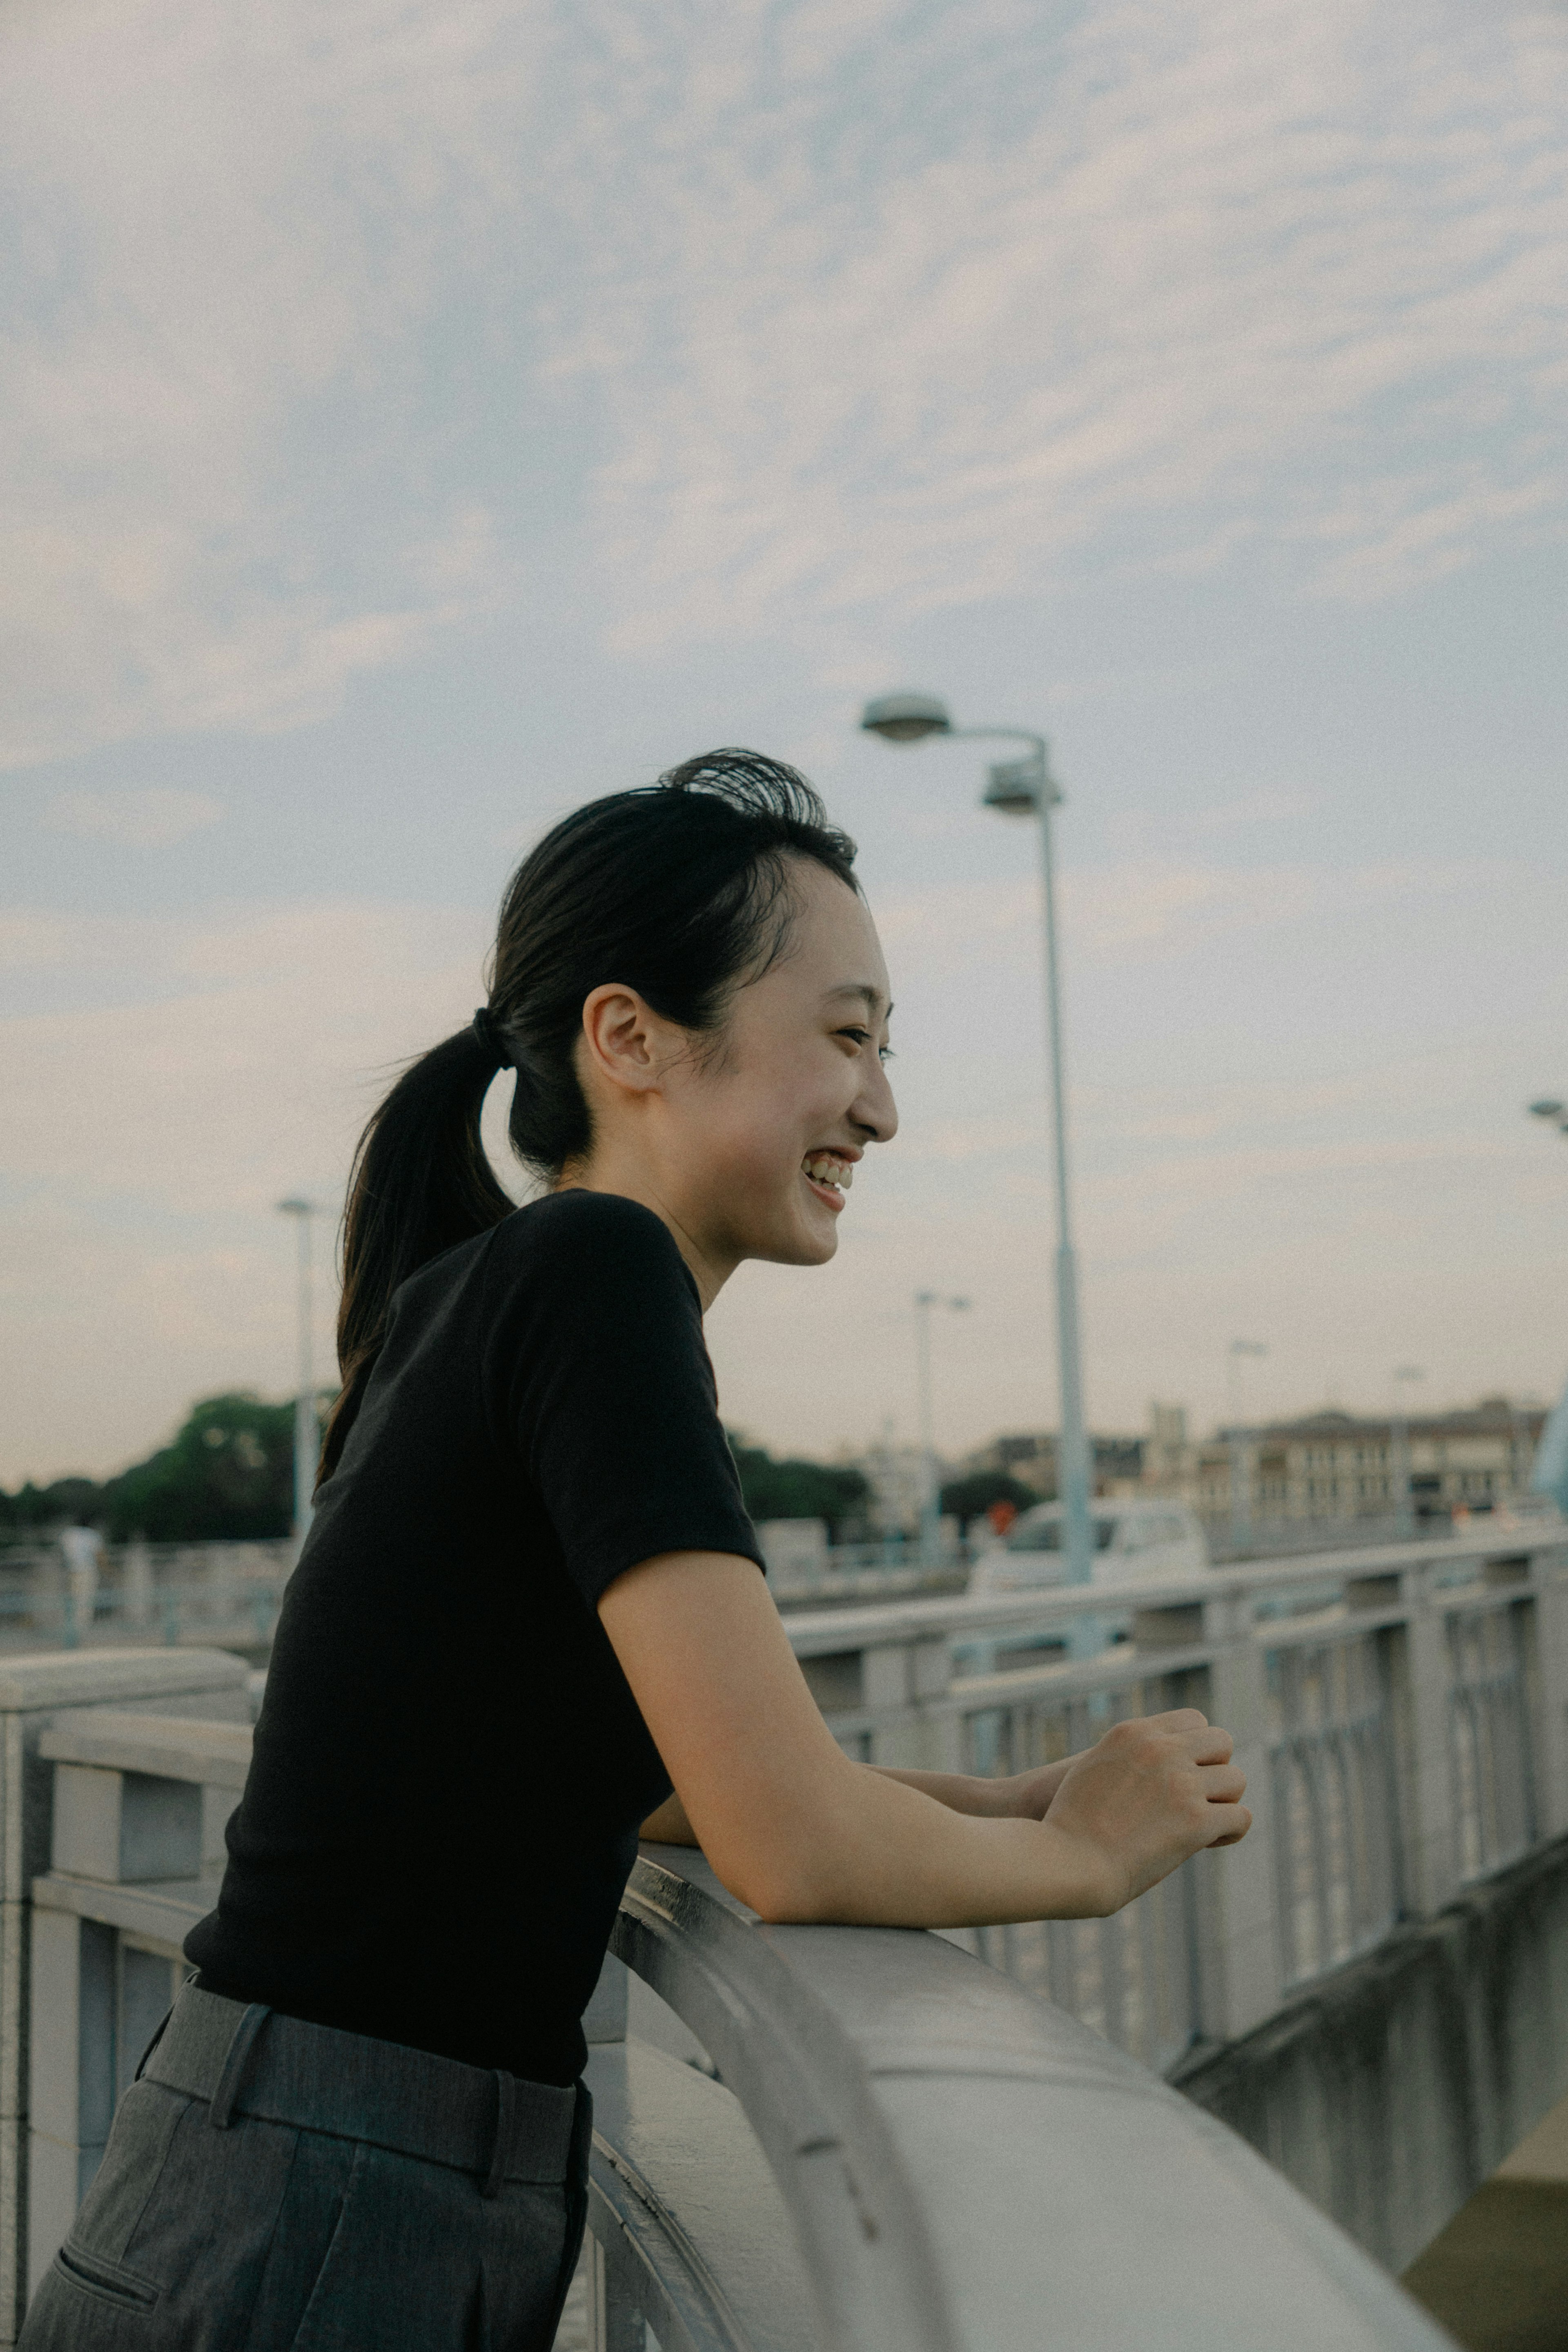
x,y
529,1609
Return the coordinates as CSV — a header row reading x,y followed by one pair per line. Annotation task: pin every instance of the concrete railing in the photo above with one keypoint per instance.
x,y
169,1593
73,1996
880,2143
949,2163
1401,1714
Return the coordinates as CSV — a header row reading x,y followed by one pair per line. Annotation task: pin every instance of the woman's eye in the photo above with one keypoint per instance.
x,y
863,1037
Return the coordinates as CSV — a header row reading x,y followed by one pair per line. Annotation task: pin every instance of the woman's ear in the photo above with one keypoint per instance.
x,y
622,1039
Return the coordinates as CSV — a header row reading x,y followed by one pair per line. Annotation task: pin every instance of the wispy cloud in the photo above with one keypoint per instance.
x,y
150,819
233,244
1253,808
824,317
991,296
1151,907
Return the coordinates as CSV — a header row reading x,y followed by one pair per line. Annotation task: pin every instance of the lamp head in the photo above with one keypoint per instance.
x,y
906,718
1547,1109
1015,787
294,1208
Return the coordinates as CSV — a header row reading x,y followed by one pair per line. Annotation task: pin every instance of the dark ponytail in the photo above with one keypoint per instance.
x,y
679,890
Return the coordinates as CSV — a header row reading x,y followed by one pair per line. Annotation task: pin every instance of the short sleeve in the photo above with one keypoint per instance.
x,y
598,1376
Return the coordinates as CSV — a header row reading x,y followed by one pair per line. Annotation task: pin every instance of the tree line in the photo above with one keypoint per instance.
x,y
228,1473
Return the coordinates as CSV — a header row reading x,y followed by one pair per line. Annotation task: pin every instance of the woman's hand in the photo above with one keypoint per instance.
x,y
1026,1796
1152,1792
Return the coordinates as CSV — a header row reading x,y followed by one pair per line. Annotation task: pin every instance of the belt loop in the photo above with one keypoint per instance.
x,y
161,2028
506,2103
226,2089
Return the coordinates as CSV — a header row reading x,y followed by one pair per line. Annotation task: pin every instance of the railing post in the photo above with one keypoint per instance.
x,y
1551,1710
1238,1933
1430,1867
138,1582
72,2096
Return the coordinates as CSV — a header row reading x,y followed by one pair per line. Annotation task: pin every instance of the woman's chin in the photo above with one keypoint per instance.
x,y
804,1243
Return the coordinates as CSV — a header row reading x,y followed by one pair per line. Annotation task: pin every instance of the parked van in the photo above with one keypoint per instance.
x,y
1150,1539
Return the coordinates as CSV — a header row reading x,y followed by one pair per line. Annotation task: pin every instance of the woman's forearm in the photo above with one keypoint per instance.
x,y
897,1851
1021,1796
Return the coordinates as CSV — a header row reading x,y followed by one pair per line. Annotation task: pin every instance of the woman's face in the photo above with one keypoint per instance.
x,y
764,1132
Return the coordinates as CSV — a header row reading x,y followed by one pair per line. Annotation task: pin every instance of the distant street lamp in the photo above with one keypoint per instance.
x,y
1025,788
930,1501
307,1428
1240,1479
1404,1495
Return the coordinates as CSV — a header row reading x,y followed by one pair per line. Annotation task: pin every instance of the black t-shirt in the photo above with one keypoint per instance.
x,y
450,1767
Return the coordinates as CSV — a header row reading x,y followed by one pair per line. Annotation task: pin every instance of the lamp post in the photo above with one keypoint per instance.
x,y
930,1514
1241,1480
1403,1498
307,1430
1025,787
1549,1474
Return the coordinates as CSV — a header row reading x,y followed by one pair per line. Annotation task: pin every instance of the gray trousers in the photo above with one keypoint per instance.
x,y
270,2183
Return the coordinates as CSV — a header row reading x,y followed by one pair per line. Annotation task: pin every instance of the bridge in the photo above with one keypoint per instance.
x,y
1223,2117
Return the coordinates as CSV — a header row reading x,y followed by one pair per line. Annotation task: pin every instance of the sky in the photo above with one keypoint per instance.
x,y
417,419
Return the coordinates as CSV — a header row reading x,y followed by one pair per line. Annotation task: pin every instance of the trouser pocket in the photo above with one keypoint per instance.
x,y
112,2282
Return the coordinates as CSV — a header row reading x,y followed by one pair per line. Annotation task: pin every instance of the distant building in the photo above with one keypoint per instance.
x,y
1030,1456
1340,1466
897,1476
1166,1449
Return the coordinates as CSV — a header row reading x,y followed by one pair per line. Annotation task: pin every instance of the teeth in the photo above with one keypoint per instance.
x,y
826,1168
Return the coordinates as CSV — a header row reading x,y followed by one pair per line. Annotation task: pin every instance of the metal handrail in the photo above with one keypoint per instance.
x,y
965,2166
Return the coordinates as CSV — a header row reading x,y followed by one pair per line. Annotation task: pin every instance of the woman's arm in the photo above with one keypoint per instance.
x,y
798,1831
1021,1796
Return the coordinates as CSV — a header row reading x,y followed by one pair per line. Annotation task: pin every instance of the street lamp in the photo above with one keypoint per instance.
x,y
1025,787
1404,1498
307,1430
930,1514
1240,1480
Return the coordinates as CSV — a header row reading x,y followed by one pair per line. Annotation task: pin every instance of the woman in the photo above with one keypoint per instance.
x,y
529,1622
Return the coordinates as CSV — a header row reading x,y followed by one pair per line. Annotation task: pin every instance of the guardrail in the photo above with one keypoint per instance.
x,y
1401,1714
900,2151
62,2043
166,1593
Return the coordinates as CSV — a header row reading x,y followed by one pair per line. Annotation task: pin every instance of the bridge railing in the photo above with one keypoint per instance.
x,y
1401,1713
145,1593
885,2147
70,2001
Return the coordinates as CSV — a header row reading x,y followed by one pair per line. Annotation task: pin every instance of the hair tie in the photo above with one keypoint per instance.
x,y
488,1032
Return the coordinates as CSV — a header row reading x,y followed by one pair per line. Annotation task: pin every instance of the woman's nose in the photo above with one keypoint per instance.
x,y
874,1112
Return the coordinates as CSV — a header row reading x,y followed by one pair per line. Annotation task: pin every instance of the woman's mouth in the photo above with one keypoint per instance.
x,y
829,1176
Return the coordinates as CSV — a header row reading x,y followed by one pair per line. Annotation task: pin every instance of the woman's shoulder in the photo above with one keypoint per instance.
x,y
583,1231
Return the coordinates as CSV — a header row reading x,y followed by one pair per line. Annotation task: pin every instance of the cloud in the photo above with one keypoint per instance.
x,y
217,1083
996,297
1253,808
238,250
827,319
1150,907
182,1073
150,819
